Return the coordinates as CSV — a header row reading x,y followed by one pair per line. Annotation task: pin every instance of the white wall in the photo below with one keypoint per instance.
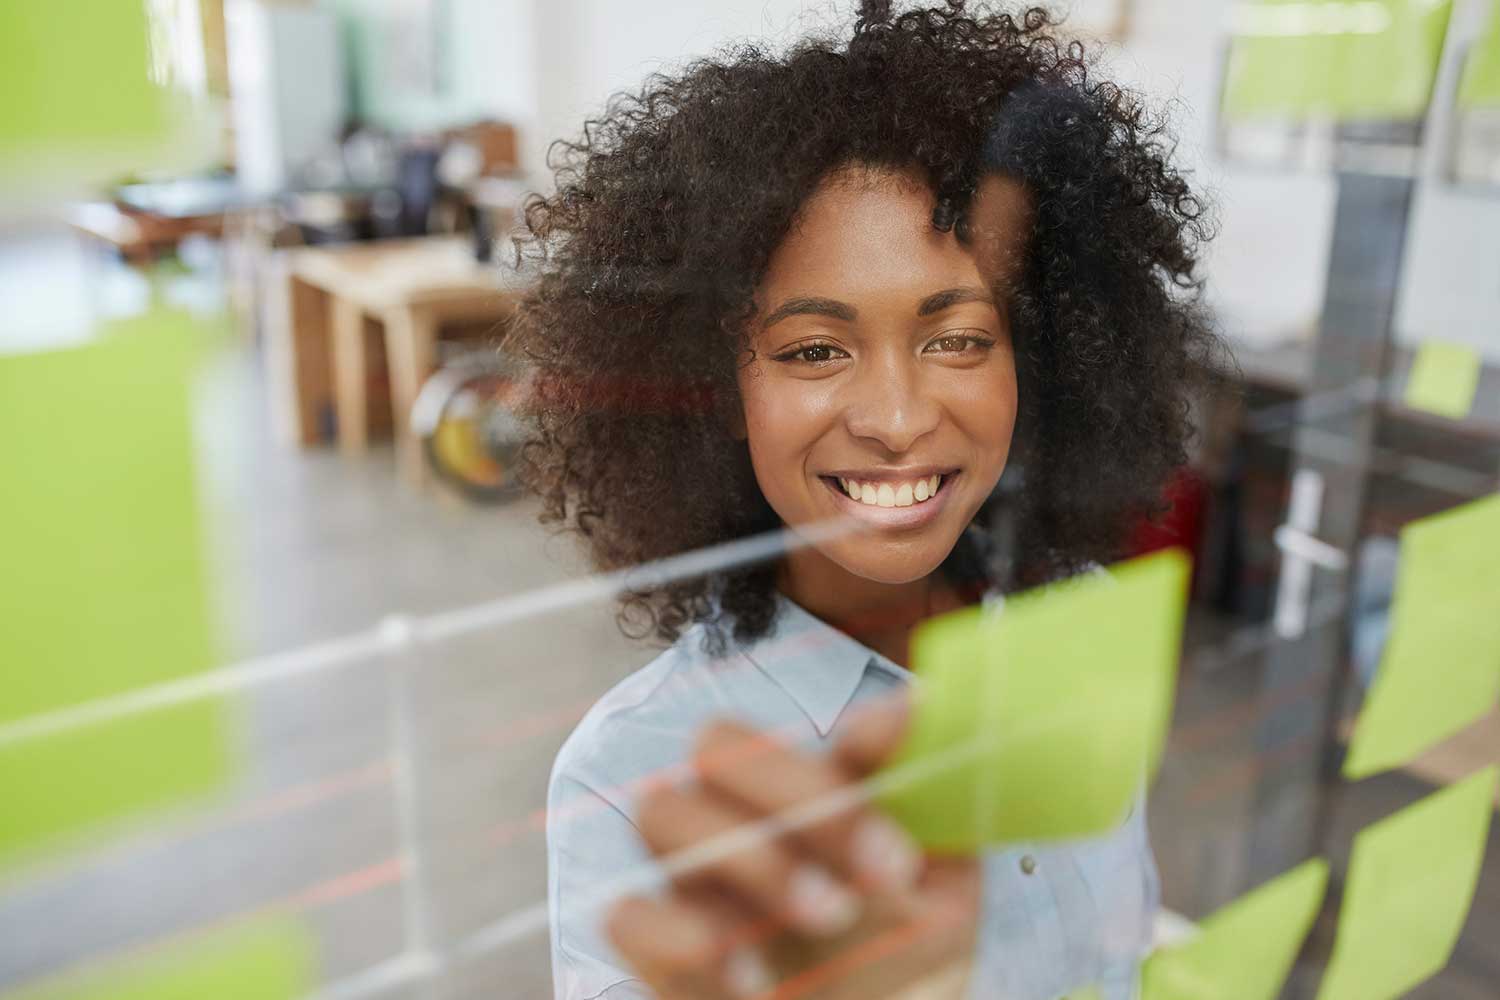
x,y
1266,270
589,49
489,47
494,43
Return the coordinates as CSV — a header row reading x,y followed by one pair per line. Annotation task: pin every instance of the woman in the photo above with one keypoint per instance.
x,y
850,282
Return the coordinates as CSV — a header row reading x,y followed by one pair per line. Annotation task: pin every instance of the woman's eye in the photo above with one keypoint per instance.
x,y
958,343
812,354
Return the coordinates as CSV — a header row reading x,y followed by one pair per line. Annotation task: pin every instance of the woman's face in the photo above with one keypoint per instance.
x,y
883,383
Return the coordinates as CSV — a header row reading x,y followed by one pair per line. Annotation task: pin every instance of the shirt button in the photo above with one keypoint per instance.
x,y
1028,864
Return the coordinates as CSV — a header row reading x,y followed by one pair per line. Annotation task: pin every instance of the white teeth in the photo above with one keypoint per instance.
x,y
891,494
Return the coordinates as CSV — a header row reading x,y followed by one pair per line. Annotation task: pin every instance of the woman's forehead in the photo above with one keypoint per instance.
x,y
867,230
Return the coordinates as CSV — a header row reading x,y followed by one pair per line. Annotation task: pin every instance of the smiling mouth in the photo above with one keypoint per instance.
x,y
906,493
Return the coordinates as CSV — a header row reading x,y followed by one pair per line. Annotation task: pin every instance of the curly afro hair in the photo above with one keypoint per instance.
x,y
669,206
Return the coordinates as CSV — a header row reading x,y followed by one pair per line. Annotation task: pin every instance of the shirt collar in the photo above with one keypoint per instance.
x,y
818,666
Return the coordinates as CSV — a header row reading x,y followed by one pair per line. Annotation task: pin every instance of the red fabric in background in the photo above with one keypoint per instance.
x,y
1181,525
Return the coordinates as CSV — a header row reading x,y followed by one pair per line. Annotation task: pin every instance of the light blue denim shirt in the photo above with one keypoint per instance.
x,y
1055,918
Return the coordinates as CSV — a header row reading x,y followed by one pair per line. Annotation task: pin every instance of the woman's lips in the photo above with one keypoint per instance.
x,y
889,511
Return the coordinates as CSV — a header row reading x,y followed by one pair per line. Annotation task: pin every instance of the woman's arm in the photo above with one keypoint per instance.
x,y
590,843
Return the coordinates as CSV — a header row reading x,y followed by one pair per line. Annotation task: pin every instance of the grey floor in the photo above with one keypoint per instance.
x,y
392,805
309,547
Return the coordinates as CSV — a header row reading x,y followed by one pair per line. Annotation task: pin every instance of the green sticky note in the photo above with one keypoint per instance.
x,y
77,72
1244,951
271,958
1480,86
1444,379
1411,881
1044,719
1440,670
78,103
106,587
1340,59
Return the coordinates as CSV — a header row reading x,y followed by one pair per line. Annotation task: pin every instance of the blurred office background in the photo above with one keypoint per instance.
x,y
257,440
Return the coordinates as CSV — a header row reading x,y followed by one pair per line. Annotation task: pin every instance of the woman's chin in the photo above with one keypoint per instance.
x,y
892,568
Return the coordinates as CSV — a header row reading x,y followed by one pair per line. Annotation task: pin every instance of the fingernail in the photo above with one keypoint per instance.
x,y
885,854
821,905
746,974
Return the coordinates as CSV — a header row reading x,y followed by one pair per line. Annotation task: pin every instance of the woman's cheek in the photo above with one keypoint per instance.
x,y
985,409
785,422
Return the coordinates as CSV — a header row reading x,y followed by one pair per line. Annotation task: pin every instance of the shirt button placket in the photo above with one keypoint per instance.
x,y
1048,961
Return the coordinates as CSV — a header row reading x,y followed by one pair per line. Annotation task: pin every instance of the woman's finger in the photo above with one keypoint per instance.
x,y
820,799
744,936
723,846
672,945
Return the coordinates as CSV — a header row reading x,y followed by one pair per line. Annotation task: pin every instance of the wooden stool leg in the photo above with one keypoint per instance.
x,y
298,356
411,354
350,376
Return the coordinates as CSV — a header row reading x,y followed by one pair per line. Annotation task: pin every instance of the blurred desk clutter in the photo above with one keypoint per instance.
x,y
145,221
375,185
353,215
349,276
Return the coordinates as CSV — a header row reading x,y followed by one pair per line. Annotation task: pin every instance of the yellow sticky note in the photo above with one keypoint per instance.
x,y
1441,667
271,958
1244,951
1045,719
1480,87
1411,881
77,86
1444,379
84,98
77,71
105,586
1342,59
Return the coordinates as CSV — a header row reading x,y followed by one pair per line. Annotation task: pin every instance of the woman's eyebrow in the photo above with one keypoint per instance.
x,y
810,306
938,301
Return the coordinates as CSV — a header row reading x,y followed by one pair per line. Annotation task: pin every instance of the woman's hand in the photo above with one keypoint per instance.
x,y
784,879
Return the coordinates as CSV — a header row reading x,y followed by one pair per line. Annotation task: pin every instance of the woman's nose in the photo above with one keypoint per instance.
x,y
889,405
